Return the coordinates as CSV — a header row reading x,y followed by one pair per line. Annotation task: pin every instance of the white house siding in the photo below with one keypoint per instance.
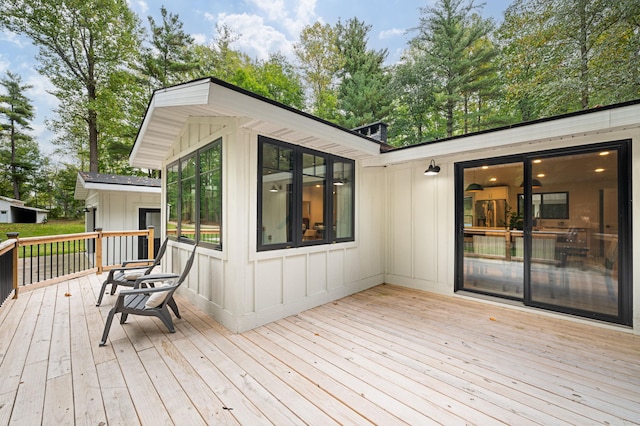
x,y
117,211
420,229
243,288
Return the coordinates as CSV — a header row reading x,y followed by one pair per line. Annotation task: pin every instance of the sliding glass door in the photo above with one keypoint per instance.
x,y
550,229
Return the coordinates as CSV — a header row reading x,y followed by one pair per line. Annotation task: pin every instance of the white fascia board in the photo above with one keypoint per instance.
x,y
194,93
564,128
123,188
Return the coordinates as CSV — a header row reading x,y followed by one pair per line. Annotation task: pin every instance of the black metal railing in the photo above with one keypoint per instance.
x,y
7,268
38,259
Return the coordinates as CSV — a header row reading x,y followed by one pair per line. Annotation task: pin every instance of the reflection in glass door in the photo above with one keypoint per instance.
x,y
550,229
575,232
492,230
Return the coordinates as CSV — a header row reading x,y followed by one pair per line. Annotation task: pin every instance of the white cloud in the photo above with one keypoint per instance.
x,y
4,65
293,15
13,38
394,32
199,38
255,37
143,6
39,92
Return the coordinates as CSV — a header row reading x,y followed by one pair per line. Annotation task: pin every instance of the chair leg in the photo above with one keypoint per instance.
x,y
107,326
165,317
104,287
123,317
114,286
174,307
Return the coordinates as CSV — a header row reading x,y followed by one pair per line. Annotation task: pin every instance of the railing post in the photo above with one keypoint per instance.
x,y
99,251
14,235
150,243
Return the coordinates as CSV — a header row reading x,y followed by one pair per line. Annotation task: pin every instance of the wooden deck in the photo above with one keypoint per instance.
x,y
389,355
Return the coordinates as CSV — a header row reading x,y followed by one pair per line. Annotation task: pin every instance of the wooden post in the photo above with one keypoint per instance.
x,y
99,251
150,243
14,235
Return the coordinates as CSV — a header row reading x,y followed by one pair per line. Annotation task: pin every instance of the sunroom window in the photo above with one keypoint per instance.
x,y
194,197
305,197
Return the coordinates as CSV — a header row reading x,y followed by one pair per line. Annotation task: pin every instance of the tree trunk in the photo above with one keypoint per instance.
x,y
14,175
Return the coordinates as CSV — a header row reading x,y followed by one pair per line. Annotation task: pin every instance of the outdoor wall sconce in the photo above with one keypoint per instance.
x,y
275,188
432,170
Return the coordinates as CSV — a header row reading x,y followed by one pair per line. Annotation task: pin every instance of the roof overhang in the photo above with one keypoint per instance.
x,y
83,187
171,108
567,127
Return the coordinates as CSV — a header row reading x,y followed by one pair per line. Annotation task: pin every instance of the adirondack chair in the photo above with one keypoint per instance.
x,y
140,300
131,270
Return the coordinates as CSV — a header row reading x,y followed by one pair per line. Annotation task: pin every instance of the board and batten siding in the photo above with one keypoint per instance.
x,y
242,288
421,227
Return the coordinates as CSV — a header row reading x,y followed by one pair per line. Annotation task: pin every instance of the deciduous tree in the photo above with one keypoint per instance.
x,y
81,44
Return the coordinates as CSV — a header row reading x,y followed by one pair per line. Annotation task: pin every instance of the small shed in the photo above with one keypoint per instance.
x,y
15,211
116,202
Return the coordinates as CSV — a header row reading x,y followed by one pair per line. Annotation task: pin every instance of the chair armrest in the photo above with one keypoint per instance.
x,y
127,292
152,278
112,271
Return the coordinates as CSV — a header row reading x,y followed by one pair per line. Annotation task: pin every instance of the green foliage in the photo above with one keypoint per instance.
x,y
170,58
364,91
52,227
459,55
19,153
319,60
568,55
81,43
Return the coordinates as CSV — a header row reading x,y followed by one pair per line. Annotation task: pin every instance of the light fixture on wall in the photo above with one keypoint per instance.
x,y
274,188
432,170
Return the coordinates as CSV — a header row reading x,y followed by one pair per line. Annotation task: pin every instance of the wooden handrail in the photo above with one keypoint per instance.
x,y
14,243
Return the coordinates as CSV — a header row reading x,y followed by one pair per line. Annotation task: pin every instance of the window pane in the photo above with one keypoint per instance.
x,y
172,199
277,180
343,184
313,197
188,198
575,239
211,194
493,248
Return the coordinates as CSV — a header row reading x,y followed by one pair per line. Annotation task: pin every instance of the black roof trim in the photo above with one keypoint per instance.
x,y
521,124
120,180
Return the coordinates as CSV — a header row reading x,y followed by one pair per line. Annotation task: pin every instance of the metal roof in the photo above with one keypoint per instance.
x,y
109,182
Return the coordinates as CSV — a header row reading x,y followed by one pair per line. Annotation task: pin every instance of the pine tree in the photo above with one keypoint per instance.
x,y
171,57
451,42
17,111
364,94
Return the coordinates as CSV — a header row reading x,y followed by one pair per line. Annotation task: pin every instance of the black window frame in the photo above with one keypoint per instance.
x,y
296,188
179,162
546,214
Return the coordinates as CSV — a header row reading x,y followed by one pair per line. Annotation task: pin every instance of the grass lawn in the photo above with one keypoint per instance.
x,y
53,227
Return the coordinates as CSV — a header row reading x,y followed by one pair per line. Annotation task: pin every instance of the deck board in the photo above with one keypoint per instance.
x,y
388,355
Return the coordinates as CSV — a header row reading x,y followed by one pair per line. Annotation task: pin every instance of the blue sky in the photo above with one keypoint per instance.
x,y
263,26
